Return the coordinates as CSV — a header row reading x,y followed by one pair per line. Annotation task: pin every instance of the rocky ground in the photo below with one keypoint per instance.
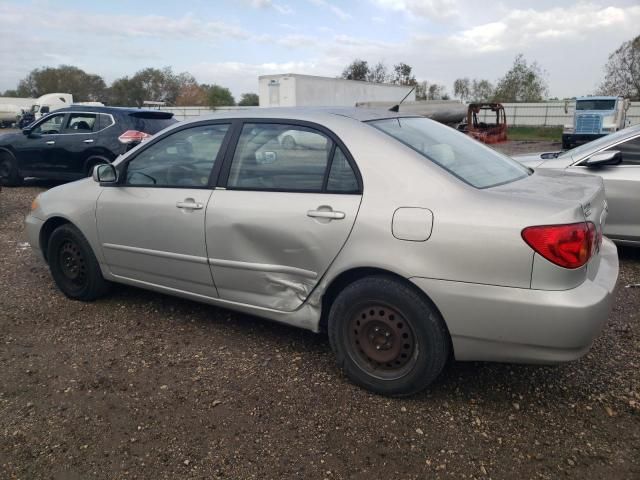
x,y
142,385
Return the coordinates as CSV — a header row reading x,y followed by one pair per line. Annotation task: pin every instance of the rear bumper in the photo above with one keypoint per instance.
x,y
492,323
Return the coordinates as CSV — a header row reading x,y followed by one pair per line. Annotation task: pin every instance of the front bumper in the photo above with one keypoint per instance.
x,y
493,323
573,138
32,226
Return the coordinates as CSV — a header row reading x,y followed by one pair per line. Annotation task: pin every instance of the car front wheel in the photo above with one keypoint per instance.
x,y
73,265
387,337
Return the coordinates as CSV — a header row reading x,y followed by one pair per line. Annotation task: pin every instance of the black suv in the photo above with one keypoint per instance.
x,y
68,143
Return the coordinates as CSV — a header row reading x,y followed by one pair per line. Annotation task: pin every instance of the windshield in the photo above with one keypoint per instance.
x,y
595,104
467,159
599,143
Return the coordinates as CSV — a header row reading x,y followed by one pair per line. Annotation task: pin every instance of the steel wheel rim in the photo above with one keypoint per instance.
x,y
72,264
382,342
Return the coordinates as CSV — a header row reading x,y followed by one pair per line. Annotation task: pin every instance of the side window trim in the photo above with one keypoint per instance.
x,y
337,143
217,162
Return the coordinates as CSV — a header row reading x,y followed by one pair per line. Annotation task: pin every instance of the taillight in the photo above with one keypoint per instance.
x,y
569,246
133,136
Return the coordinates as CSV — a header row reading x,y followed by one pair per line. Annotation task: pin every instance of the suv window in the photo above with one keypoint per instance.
x,y
104,121
183,159
81,122
280,157
52,125
630,151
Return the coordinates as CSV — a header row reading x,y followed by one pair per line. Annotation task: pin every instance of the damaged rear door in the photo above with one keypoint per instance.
x,y
285,212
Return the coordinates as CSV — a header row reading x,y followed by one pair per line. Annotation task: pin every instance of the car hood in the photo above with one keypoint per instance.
x,y
9,138
534,160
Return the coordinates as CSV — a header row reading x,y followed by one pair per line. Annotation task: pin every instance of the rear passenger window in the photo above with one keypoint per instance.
x,y
104,121
280,157
81,122
342,179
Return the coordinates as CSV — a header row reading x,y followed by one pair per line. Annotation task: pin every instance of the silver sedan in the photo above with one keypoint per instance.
x,y
408,242
615,158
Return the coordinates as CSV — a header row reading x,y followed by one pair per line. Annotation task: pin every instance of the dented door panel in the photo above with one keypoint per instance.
x,y
269,249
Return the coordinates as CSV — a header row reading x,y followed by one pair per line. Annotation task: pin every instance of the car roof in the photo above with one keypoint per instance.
x,y
307,113
105,109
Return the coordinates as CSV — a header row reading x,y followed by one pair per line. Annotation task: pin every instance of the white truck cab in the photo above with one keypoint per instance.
x,y
50,102
594,117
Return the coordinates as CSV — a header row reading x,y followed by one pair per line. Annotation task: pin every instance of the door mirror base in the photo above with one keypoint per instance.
x,y
603,159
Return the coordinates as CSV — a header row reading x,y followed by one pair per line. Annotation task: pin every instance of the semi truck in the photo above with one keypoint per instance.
x,y
594,117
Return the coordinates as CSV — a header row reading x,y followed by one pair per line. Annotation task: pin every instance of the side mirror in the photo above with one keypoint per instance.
x,y
44,110
105,173
26,131
603,159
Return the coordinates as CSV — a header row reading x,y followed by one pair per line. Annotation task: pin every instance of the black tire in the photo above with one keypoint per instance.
x,y
9,173
74,266
566,144
289,142
387,337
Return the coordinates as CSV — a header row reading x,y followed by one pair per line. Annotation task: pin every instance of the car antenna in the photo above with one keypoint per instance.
x,y
396,108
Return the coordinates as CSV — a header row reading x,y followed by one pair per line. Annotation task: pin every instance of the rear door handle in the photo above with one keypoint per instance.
x,y
190,204
329,214
51,142
89,140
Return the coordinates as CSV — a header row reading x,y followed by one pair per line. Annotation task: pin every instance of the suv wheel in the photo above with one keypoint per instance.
x,y
9,174
387,337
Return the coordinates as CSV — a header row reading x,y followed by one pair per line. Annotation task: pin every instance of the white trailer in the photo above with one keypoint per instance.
x,y
295,90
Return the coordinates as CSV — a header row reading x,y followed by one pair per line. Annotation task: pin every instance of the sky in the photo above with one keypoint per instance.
x,y
231,43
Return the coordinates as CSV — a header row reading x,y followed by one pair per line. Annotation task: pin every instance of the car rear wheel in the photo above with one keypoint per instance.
x,y
387,337
9,174
73,265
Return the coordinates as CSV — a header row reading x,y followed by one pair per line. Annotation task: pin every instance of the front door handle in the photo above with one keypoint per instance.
x,y
51,142
190,204
88,140
328,214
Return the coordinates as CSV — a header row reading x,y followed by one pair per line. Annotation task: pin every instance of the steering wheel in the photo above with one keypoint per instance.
x,y
176,173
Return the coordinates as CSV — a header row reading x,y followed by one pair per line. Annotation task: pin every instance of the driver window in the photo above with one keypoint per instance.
x,y
183,159
50,126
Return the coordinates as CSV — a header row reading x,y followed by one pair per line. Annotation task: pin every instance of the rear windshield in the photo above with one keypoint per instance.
x,y
463,157
150,125
595,104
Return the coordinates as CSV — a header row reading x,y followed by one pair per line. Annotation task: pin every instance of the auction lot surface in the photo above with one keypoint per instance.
x,y
142,385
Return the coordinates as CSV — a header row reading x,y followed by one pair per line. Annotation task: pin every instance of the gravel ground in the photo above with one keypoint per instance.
x,y
142,385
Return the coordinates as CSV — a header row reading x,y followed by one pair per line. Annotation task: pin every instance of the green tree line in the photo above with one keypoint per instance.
x,y
155,84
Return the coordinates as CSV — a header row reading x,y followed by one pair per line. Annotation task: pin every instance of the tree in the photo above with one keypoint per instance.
x,y
481,91
462,88
356,70
159,85
10,93
402,74
63,79
437,92
522,83
378,73
622,71
191,93
219,96
249,100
